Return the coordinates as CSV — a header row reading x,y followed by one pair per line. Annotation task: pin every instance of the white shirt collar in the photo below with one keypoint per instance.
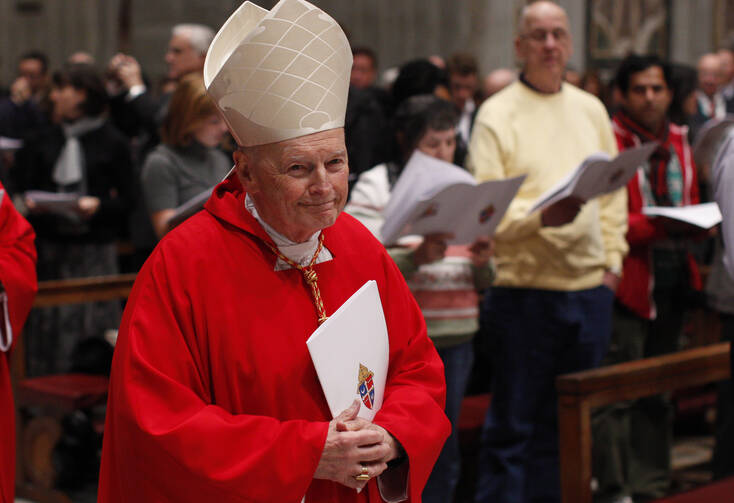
x,y
300,253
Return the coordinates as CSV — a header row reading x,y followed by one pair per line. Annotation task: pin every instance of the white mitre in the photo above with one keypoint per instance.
x,y
279,74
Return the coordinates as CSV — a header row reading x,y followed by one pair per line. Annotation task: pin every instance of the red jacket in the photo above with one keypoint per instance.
x,y
18,277
637,283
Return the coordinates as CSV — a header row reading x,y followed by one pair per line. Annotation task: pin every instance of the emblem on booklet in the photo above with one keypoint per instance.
x,y
365,386
486,213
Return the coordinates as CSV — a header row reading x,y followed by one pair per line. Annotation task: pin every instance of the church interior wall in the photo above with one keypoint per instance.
x,y
397,30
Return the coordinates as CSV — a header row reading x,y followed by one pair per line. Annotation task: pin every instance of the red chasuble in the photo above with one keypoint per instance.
x,y
18,277
213,395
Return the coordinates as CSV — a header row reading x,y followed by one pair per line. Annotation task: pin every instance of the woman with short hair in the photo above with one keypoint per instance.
x,y
445,280
83,157
188,161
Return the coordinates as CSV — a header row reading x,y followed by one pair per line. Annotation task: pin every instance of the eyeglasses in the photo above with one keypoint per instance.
x,y
540,36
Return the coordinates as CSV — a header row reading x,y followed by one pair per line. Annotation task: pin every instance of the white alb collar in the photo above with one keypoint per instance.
x,y
300,253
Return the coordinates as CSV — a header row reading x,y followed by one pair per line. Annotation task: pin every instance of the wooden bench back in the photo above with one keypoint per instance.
x,y
72,291
579,392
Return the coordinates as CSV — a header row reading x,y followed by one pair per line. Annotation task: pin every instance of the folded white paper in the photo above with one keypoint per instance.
x,y
10,143
350,352
704,215
54,202
596,175
433,196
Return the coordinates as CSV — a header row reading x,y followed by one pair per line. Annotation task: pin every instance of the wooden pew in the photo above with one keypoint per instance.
x,y
580,392
55,395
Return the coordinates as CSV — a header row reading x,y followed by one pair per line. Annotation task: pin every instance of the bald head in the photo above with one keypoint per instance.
x,y
543,45
540,10
709,73
497,80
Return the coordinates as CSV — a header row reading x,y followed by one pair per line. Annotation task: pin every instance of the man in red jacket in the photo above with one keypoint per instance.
x,y
632,454
17,289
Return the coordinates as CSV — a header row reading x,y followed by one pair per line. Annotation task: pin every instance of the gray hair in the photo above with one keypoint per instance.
x,y
198,35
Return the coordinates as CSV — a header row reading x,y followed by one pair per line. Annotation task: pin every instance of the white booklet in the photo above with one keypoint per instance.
x,y
433,196
704,215
597,175
350,352
10,143
54,202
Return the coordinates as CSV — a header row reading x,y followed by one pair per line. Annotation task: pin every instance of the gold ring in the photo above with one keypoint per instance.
x,y
364,476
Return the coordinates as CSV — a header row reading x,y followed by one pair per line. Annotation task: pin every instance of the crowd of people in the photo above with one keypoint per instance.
x,y
577,285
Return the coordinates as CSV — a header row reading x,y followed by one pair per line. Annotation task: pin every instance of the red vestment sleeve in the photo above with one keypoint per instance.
x,y
18,277
415,394
165,440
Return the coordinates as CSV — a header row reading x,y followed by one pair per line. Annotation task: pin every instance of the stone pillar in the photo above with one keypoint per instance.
x,y
691,28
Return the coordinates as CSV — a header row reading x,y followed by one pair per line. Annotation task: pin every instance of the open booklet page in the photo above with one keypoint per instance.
x,y
54,202
350,352
704,215
597,175
432,196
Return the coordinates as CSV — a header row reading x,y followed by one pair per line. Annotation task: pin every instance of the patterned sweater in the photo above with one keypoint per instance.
x,y
446,290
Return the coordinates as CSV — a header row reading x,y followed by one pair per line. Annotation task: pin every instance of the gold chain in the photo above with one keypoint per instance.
x,y
309,275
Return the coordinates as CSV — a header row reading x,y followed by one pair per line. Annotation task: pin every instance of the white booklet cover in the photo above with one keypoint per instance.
x,y
350,352
55,202
432,196
597,175
704,215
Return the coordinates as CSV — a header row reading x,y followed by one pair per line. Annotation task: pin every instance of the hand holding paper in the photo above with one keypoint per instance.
x,y
432,249
596,175
703,216
53,202
346,451
561,212
350,352
433,196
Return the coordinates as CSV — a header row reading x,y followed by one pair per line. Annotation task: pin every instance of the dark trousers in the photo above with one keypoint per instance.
x,y
457,364
723,463
633,439
535,336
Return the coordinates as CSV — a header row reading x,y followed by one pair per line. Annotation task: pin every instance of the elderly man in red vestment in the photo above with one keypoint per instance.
x,y
17,289
213,394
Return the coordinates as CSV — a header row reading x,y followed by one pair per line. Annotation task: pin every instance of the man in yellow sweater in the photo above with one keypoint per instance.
x,y
550,311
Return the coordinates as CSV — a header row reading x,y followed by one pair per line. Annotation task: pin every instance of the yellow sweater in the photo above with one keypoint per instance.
x,y
545,136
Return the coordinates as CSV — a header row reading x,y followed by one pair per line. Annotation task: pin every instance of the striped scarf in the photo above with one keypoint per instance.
x,y
664,173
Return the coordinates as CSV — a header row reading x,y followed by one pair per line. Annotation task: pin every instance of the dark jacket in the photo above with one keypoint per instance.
x,y
108,172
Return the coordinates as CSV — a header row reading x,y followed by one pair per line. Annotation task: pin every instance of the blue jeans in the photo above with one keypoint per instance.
x,y
536,335
457,363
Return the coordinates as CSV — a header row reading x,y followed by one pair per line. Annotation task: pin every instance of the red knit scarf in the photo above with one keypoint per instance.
x,y
658,160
